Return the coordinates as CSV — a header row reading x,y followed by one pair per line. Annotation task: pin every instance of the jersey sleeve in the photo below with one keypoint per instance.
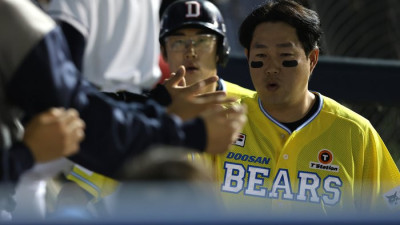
x,y
381,177
97,185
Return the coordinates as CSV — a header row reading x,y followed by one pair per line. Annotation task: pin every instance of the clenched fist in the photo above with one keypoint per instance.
x,y
54,133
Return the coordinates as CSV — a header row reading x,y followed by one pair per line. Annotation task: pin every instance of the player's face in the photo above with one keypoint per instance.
x,y
196,49
279,67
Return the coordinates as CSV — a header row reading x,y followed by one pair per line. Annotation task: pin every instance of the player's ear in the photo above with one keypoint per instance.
x,y
313,56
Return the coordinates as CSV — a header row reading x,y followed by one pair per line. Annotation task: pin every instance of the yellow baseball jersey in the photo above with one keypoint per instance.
x,y
334,162
101,186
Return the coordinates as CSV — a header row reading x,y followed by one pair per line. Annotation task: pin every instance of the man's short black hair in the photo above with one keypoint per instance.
x,y
304,20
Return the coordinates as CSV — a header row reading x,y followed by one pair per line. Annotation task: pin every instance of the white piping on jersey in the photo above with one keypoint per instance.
x,y
86,182
222,82
321,101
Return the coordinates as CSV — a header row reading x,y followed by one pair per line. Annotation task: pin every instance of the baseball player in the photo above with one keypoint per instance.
x,y
300,150
192,34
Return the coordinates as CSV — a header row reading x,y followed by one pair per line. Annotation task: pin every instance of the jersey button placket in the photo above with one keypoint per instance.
x,y
285,156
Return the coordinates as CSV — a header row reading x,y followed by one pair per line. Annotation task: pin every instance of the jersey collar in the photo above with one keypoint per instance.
x,y
312,117
221,85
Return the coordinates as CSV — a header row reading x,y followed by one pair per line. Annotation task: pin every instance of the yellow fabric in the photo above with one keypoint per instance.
x,y
207,160
272,169
97,185
233,90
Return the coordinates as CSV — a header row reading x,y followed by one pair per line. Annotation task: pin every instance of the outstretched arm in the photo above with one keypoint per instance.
x,y
46,77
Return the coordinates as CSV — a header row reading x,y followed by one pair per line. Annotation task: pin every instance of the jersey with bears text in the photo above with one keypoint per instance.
x,y
334,162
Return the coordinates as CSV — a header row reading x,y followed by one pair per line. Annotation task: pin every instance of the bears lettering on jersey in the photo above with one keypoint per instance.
x,y
309,184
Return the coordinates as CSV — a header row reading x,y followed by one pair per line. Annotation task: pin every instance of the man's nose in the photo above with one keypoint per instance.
x,y
190,51
272,67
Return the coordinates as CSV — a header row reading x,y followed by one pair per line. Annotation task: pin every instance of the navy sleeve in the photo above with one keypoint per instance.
x,y
114,130
126,96
15,161
76,43
159,94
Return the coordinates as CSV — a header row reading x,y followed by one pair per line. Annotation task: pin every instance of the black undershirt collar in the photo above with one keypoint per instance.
x,y
294,125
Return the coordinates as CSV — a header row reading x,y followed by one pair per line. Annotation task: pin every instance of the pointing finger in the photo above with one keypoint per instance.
x,y
178,77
